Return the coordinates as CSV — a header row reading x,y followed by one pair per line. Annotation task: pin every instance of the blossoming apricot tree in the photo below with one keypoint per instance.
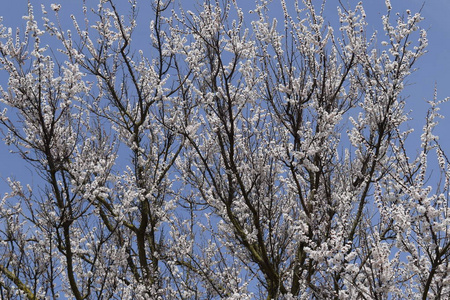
x,y
230,155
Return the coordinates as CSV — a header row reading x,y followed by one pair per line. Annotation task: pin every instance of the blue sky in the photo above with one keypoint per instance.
x,y
433,68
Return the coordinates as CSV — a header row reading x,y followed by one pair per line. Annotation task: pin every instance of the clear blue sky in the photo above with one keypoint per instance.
x,y
433,67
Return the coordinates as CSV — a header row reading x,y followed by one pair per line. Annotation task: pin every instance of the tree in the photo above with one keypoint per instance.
x,y
233,159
